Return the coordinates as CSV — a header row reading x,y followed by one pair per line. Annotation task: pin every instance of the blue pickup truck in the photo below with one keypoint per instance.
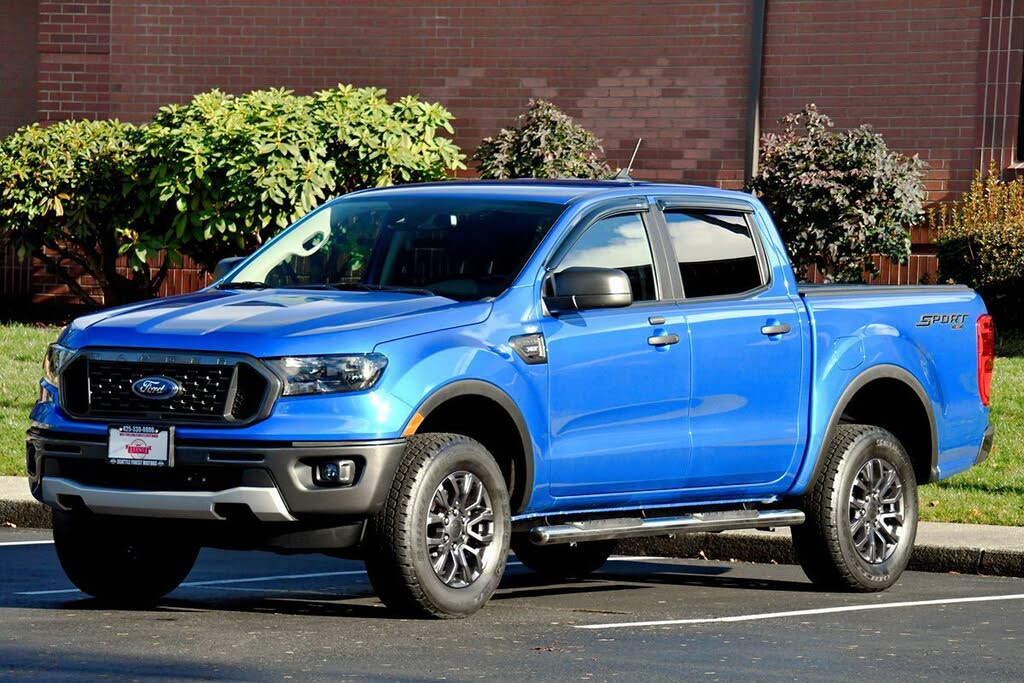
x,y
426,376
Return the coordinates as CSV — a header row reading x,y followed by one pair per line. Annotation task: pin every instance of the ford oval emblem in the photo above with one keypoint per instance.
x,y
156,388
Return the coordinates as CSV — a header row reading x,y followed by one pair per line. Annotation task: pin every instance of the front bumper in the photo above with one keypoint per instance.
x,y
211,480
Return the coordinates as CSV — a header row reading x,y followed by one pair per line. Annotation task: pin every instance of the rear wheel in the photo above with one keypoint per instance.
x,y
861,513
564,560
438,546
119,561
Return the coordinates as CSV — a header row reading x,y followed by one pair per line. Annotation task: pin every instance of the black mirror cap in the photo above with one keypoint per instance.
x,y
583,288
225,266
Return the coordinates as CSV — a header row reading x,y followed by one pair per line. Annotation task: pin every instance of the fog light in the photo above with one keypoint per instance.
x,y
334,473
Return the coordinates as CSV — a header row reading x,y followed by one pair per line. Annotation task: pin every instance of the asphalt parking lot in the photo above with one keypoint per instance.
x,y
258,616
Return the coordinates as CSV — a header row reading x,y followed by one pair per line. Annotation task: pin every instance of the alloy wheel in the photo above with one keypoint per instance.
x,y
877,511
460,528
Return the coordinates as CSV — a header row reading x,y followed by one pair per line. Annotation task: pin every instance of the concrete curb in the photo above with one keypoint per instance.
x,y
25,514
961,557
960,548
18,507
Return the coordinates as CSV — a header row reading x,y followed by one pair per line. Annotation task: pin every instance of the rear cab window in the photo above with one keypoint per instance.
x,y
716,251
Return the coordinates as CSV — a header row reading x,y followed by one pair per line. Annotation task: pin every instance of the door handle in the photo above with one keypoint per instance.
x,y
772,330
663,340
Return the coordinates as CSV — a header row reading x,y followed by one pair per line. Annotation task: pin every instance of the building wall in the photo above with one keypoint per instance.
x,y
18,61
673,73
939,78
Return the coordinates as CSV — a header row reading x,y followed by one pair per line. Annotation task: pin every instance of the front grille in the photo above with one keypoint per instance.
x,y
223,389
204,389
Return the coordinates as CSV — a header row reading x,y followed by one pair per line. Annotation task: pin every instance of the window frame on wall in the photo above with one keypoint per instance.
x,y
1018,152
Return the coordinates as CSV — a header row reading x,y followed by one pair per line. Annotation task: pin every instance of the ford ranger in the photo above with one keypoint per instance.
x,y
429,375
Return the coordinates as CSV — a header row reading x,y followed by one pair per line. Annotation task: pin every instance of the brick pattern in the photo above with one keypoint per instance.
x,y
15,275
908,67
940,78
18,56
672,72
74,60
33,282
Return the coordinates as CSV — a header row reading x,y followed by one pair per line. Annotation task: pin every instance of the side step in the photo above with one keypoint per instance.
x,y
606,529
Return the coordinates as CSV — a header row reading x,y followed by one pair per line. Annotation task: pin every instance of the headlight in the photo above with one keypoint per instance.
x,y
55,361
329,374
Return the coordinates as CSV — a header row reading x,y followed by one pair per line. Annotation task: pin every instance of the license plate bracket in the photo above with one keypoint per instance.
x,y
140,445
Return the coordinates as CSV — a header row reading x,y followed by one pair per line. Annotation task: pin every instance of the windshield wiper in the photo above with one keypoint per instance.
x,y
364,287
243,284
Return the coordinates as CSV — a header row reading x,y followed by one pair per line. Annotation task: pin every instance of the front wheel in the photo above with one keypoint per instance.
x,y
861,513
119,561
438,546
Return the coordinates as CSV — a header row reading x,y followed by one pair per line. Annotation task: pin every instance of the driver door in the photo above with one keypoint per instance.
x,y
618,376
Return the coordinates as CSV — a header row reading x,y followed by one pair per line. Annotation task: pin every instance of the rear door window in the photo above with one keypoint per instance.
x,y
716,252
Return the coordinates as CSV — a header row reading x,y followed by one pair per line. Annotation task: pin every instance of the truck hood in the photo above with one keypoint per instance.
x,y
273,322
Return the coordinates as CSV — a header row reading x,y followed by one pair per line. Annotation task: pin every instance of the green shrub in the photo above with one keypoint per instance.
x,y
68,198
216,177
838,197
226,173
980,243
545,143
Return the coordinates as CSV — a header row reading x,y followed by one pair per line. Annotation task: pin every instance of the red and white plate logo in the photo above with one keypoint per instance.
x,y
138,445
138,448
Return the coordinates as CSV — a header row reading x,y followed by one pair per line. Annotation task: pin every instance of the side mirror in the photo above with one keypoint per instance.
x,y
580,289
225,266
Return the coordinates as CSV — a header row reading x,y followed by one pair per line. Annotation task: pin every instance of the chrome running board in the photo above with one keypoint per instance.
x,y
607,529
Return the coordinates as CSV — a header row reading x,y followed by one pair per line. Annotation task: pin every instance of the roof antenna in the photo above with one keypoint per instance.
x,y
623,173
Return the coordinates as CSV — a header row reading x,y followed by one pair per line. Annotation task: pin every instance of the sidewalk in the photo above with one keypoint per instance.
x,y
941,547
18,507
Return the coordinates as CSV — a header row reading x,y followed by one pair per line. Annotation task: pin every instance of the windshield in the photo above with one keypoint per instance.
x,y
456,247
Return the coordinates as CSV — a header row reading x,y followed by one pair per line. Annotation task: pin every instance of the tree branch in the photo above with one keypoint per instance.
x,y
54,268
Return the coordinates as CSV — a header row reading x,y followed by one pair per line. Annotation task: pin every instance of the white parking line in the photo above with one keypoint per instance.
x,y
26,543
802,612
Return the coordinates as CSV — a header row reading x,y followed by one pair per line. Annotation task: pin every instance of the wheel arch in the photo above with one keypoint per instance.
x,y
872,398
483,411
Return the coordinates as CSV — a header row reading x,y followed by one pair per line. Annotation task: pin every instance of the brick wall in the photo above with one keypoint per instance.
x,y
672,72
914,69
74,60
18,60
940,78
42,287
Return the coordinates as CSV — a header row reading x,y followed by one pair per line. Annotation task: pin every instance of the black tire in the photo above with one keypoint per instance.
x,y
563,560
403,540
849,546
118,561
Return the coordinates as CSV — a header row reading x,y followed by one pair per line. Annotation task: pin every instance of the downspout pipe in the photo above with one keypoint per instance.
x,y
753,149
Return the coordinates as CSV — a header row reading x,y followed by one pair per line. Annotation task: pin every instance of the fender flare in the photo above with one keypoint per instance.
x,y
860,381
475,387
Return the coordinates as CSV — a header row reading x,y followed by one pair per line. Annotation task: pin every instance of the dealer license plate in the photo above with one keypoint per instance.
x,y
141,445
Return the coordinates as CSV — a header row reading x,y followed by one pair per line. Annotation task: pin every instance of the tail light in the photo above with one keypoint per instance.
x,y
986,356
